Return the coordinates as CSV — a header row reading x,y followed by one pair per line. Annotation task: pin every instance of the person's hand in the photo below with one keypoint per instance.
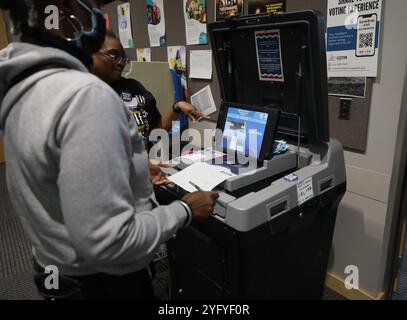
x,y
189,110
201,203
161,164
158,178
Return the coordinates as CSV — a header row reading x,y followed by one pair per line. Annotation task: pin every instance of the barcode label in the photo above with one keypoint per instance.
x,y
366,40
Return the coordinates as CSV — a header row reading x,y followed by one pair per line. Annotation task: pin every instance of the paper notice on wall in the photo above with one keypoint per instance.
x,y
177,58
124,19
353,33
266,6
195,21
269,59
347,87
228,8
204,101
144,55
156,23
200,64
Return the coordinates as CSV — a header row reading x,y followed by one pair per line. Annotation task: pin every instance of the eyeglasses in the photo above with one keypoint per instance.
x,y
117,58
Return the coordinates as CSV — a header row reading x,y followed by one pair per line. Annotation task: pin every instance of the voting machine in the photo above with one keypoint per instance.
x,y
273,229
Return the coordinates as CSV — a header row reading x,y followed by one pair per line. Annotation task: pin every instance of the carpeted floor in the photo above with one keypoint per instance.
x,y
15,259
15,253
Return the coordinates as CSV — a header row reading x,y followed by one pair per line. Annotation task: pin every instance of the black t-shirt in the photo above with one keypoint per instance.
x,y
140,102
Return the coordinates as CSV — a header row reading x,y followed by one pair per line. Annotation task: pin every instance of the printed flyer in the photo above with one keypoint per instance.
x,y
195,21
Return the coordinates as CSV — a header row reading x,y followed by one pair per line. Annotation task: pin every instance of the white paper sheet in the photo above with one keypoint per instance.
x,y
199,156
200,64
124,18
204,101
205,176
156,23
195,21
144,55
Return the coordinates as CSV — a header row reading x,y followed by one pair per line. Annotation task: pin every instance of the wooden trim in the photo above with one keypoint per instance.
x,y
336,284
3,31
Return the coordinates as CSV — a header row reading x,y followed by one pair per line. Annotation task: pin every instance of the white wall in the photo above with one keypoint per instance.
x,y
360,232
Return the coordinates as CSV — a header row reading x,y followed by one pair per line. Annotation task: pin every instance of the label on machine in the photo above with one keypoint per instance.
x,y
305,191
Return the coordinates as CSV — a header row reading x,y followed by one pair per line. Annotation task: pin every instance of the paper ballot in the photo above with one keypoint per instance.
x,y
205,176
204,101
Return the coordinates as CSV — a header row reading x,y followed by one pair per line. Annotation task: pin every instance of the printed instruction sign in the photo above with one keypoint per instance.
x,y
305,191
353,37
269,59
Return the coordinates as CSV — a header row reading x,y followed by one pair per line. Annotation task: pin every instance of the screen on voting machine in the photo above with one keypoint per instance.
x,y
242,124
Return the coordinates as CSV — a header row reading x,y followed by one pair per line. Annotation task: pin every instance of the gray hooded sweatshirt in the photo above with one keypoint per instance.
x,y
77,171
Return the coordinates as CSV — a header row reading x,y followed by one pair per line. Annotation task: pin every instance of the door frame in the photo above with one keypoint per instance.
x,y
397,209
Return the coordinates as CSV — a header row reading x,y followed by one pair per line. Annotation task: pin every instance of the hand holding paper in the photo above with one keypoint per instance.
x,y
203,175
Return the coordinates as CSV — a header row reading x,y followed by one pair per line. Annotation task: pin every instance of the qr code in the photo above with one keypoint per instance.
x,y
366,40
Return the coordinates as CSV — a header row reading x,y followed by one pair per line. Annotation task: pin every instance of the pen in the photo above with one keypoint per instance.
x,y
200,189
202,118
195,186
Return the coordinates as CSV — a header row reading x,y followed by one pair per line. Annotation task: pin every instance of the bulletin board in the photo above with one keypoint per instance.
x,y
352,133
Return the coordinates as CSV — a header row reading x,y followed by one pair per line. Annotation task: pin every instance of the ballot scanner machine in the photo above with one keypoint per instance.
x,y
272,232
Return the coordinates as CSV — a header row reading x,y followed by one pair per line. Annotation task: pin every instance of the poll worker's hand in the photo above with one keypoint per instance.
x,y
201,203
158,178
189,110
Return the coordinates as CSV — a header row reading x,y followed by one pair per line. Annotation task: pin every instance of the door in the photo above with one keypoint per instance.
x,y
3,44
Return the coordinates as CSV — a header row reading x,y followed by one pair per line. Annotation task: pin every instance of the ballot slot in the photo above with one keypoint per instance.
x,y
326,184
277,208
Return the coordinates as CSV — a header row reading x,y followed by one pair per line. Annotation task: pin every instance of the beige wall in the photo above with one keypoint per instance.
x,y
360,237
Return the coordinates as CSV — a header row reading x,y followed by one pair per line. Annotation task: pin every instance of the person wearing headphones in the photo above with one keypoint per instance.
x,y
77,170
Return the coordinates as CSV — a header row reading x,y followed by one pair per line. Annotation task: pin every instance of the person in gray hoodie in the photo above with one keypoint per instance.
x,y
77,171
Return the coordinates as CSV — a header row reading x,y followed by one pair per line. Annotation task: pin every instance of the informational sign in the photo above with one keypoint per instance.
x,y
305,191
195,17
156,22
200,62
123,15
266,6
228,8
144,55
353,37
269,60
347,87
